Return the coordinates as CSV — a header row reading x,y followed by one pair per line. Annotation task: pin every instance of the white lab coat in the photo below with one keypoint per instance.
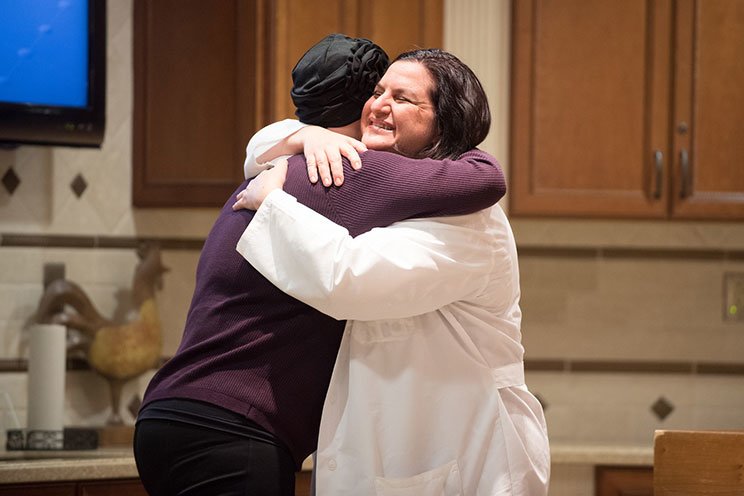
x,y
427,395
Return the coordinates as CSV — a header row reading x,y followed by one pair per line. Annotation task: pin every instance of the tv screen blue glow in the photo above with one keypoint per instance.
x,y
44,52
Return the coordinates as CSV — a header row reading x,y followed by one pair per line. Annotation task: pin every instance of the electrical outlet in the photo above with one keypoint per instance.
x,y
733,296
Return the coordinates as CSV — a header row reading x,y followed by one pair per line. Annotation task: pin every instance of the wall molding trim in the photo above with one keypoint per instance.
x,y
17,240
634,366
69,241
19,365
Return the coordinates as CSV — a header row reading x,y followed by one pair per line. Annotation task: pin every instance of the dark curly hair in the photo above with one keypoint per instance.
x,y
462,116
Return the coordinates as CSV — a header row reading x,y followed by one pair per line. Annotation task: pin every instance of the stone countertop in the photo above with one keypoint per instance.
x,y
601,454
52,466
25,466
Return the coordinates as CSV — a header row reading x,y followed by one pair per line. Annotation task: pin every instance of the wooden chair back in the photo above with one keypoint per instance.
x,y
698,463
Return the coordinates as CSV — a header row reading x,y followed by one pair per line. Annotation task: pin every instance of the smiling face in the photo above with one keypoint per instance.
x,y
400,116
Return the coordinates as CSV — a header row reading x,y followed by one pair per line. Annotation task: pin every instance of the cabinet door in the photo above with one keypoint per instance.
x,y
298,24
131,487
708,179
590,107
624,481
51,489
303,482
194,99
208,74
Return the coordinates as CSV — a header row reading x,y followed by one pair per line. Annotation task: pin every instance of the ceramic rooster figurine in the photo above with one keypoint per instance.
x,y
117,350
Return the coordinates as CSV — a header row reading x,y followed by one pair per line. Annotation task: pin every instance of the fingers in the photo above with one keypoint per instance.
x,y
324,157
335,165
259,188
324,169
358,145
240,203
351,152
312,168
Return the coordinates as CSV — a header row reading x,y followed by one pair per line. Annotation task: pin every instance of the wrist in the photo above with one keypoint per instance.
x,y
296,140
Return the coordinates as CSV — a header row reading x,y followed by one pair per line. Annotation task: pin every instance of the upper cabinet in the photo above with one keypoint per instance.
x,y
208,74
629,109
197,98
296,25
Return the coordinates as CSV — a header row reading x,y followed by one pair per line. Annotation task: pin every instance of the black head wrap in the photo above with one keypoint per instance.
x,y
334,79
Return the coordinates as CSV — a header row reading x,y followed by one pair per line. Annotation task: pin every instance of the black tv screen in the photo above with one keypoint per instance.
x,y
52,72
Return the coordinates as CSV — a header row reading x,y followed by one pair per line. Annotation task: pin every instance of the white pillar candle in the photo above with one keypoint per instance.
x,y
46,381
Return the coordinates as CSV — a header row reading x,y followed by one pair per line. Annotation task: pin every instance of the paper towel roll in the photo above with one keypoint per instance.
x,y
46,378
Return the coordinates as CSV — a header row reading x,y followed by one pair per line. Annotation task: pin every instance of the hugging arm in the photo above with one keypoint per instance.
x,y
406,269
322,148
390,188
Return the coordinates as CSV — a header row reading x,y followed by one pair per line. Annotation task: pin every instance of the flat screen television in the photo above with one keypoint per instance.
x,y
52,72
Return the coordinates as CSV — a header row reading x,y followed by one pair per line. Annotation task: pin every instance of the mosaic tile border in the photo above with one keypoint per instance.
x,y
632,252
68,241
632,366
548,365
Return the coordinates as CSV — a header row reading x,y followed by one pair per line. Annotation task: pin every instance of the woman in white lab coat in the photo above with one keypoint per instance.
x,y
427,395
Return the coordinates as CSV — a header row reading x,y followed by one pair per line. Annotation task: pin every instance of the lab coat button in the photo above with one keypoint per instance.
x,y
332,464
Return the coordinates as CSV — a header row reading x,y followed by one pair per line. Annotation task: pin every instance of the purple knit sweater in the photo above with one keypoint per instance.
x,y
254,350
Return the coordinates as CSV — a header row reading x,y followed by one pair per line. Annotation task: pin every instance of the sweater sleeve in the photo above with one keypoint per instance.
x,y
389,188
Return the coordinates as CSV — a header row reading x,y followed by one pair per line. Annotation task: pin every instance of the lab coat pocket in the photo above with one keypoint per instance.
x,y
441,481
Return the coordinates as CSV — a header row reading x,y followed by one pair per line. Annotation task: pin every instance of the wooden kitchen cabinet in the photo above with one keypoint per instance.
x,y
195,100
624,481
628,109
117,487
57,489
303,482
112,488
207,75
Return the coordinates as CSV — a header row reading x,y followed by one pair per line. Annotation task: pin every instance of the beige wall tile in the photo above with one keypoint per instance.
x,y
627,308
571,480
616,408
174,300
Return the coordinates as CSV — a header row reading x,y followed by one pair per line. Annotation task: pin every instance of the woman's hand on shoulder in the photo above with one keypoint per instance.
x,y
323,150
259,188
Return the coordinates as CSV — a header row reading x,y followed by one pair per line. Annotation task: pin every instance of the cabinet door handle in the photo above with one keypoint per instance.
x,y
658,173
684,169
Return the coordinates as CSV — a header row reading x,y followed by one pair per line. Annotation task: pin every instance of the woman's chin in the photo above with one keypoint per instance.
x,y
379,143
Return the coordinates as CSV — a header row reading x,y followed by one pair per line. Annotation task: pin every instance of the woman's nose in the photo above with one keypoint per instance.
x,y
381,104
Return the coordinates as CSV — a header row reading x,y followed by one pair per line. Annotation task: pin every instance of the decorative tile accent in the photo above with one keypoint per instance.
x,y
662,408
11,181
78,185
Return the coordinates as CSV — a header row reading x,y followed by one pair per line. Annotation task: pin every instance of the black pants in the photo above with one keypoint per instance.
x,y
183,458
